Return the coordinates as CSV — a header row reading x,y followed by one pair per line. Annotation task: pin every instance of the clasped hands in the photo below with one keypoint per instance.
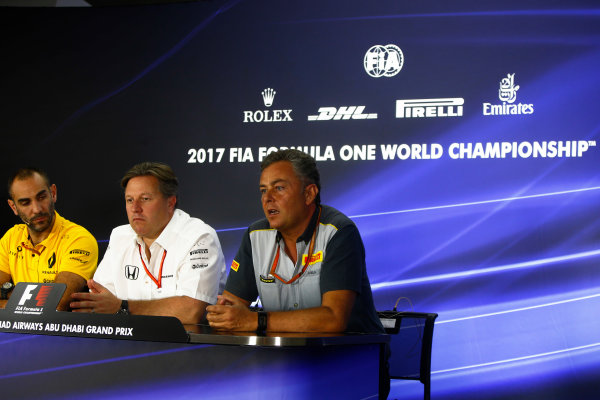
x,y
231,314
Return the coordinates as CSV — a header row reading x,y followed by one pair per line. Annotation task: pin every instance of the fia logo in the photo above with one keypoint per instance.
x,y
383,60
508,90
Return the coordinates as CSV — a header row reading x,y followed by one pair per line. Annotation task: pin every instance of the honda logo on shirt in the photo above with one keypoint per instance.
x,y
131,272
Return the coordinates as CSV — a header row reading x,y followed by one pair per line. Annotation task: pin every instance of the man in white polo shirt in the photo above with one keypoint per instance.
x,y
163,262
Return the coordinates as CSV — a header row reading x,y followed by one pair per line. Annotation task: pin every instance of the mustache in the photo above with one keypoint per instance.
x,y
28,222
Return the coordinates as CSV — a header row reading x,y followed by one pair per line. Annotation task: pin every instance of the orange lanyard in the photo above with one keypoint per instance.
x,y
159,281
39,253
311,248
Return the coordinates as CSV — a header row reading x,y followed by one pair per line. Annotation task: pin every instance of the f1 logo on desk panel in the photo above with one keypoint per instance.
x,y
35,298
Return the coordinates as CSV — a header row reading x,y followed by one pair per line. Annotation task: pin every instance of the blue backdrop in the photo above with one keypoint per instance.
x,y
460,137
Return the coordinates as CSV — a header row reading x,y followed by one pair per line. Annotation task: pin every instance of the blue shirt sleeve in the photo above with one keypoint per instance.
x,y
344,261
241,281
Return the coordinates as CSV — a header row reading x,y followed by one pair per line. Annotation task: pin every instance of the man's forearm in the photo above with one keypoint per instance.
x,y
232,313
186,309
318,319
74,282
4,277
332,316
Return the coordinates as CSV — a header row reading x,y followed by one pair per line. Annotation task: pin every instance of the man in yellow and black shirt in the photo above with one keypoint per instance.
x,y
47,247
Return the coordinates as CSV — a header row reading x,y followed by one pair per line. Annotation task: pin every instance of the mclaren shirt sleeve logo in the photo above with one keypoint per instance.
x,y
235,265
316,258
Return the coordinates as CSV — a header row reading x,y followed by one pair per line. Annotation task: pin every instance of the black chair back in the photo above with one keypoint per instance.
x,y
410,344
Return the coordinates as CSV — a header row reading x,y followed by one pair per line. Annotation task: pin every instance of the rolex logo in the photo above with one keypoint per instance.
x,y
269,115
268,95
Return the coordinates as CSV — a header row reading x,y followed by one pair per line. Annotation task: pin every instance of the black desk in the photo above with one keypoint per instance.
x,y
208,366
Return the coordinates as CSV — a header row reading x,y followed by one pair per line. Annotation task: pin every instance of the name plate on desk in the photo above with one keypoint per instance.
x,y
32,309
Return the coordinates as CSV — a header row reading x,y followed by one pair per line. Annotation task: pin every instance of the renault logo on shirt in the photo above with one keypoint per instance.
x,y
132,272
52,260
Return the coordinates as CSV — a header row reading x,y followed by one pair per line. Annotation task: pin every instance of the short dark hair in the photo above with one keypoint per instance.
x,y
303,164
167,181
24,173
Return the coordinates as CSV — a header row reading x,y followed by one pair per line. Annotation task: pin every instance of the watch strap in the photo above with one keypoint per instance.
x,y
262,321
124,307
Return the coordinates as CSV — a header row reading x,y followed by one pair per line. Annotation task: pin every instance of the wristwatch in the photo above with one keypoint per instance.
x,y
5,290
124,308
262,322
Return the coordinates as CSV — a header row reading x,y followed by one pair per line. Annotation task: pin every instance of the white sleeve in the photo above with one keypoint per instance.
x,y
104,273
202,273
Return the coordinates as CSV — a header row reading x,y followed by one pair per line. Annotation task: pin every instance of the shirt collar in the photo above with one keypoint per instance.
x,y
307,234
168,234
56,227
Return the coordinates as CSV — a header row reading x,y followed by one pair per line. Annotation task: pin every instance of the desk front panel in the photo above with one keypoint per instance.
x,y
57,367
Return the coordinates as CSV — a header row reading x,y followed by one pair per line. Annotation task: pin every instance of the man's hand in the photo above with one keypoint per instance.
x,y
231,314
98,300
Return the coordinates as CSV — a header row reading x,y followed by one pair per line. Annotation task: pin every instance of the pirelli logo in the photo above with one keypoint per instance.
x,y
198,251
316,258
82,252
235,265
